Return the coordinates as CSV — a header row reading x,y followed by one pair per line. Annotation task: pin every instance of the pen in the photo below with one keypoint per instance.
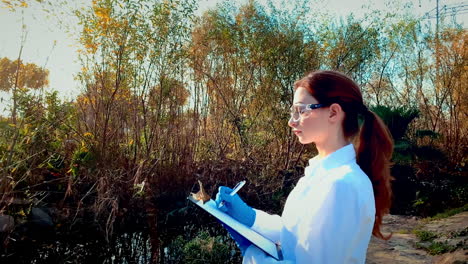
x,y
234,191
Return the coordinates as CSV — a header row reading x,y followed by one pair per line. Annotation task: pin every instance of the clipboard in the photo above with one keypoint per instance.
x,y
269,247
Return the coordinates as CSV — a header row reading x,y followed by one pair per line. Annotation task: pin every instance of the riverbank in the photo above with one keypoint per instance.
x,y
415,240
421,241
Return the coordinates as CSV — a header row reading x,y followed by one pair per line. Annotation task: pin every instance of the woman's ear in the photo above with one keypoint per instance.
x,y
335,113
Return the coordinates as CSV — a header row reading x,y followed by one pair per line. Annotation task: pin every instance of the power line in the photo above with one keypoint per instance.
x,y
446,10
448,14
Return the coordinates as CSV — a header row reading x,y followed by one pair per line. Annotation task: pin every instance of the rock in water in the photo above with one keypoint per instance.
x,y
7,223
41,218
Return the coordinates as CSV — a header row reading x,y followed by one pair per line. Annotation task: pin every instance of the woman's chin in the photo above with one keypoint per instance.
x,y
304,141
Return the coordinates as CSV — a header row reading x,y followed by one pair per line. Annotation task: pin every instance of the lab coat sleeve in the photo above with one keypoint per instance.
x,y
327,234
267,225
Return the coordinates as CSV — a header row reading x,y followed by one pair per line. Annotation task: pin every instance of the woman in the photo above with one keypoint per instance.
x,y
339,202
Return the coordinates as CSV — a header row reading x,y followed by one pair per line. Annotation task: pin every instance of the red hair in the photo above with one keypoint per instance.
x,y
374,146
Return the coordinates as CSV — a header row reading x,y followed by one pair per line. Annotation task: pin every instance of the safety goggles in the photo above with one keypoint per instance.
x,y
299,111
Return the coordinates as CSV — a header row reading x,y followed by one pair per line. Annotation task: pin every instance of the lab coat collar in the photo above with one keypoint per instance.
x,y
340,157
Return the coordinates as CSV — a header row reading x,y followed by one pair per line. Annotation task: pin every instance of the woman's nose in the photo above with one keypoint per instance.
x,y
292,123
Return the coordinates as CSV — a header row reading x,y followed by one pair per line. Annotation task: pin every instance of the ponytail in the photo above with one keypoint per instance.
x,y
374,151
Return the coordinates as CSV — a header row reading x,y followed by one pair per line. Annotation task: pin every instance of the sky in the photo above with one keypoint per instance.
x,y
50,45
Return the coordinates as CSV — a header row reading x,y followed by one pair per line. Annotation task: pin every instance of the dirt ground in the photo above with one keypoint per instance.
x,y
401,248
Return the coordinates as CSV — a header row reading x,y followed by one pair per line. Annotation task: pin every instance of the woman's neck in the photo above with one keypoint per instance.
x,y
330,145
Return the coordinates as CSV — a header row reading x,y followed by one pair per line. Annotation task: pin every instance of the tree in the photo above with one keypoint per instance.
x,y
16,76
350,45
247,59
131,108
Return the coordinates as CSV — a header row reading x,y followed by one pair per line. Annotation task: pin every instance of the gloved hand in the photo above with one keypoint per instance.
x,y
234,206
241,242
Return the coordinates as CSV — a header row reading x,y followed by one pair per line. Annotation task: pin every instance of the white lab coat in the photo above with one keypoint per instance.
x,y
328,217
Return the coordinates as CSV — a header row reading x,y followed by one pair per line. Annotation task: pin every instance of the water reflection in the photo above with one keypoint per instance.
x,y
126,248
185,235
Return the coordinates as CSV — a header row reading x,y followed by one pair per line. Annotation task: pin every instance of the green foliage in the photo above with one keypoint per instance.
x,y
32,152
450,212
436,248
424,235
397,119
426,242
56,162
82,158
419,170
460,233
403,151
202,249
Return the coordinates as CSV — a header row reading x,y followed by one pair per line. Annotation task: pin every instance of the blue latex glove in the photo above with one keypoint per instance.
x,y
241,242
234,206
